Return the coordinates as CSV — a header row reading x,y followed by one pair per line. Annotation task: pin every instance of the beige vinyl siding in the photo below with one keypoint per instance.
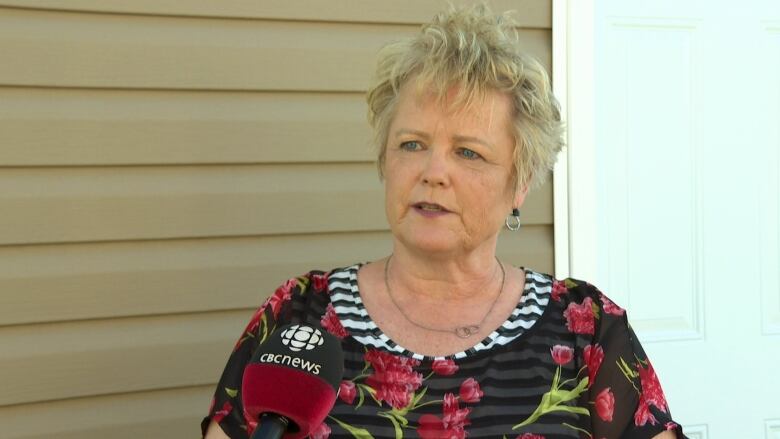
x,y
157,414
164,165
534,13
131,51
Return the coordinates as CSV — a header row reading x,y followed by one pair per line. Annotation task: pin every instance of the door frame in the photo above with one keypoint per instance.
x,y
574,175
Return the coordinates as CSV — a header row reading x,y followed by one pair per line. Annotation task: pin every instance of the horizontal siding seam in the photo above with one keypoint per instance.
x,y
185,89
118,318
229,17
188,238
241,92
210,164
204,386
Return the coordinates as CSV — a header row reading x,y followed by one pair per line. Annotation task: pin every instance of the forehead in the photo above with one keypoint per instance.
x,y
488,114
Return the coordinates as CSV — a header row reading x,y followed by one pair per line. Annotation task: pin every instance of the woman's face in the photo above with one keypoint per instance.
x,y
448,173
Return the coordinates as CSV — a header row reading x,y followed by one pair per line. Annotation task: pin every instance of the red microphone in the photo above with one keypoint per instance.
x,y
292,381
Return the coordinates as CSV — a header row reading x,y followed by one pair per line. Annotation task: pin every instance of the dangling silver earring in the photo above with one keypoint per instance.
x,y
513,221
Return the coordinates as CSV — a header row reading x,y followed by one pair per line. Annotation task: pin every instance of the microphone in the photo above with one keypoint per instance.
x,y
292,381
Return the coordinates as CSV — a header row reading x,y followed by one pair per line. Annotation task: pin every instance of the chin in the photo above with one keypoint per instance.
x,y
432,242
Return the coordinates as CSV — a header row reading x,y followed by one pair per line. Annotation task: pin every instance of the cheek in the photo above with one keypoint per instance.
x,y
491,199
400,173
396,194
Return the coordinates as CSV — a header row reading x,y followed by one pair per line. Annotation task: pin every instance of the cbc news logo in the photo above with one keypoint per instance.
x,y
298,337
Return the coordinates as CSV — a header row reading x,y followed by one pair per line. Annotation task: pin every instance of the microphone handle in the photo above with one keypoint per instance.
x,y
270,426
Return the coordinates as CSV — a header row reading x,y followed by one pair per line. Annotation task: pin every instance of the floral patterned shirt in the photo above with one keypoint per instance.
x,y
566,364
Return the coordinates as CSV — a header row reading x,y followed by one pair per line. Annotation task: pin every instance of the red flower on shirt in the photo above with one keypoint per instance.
x,y
652,394
605,404
330,321
561,354
470,391
450,425
593,356
610,307
320,282
393,378
580,318
651,387
444,367
453,414
347,391
433,427
558,289
642,414
281,295
220,414
277,299
530,436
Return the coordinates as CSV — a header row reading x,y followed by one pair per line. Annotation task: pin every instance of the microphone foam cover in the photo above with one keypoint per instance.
x,y
295,373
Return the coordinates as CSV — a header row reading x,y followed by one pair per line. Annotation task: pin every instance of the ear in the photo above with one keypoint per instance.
x,y
519,199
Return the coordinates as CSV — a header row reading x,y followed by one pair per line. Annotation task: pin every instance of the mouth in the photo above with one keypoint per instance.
x,y
429,207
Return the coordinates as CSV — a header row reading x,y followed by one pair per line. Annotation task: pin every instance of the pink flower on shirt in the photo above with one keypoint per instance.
x,y
593,356
559,289
561,354
610,307
330,321
580,318
444,367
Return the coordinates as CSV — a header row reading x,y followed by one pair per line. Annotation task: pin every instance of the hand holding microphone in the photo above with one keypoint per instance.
x,y
291,383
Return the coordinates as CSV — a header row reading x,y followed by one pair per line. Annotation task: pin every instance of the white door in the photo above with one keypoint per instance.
x,y
683,220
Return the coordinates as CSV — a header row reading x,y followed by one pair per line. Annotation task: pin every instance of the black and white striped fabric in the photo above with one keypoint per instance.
x,y
345,297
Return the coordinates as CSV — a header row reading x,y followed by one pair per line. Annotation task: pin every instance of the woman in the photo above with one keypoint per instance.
x,y
441,338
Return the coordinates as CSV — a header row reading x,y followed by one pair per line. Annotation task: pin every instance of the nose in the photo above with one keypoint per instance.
x,y
436,171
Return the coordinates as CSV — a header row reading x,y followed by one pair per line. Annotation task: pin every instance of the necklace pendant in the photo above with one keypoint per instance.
x,y
466,331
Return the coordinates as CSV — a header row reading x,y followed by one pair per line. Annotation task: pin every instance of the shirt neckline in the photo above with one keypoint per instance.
x,y
533,302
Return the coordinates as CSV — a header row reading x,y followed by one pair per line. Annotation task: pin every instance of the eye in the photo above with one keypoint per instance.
x,y
469,154
411,145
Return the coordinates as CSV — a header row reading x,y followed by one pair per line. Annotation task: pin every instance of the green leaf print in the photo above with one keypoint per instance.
x,y
361,397
595,308
626,369
418,397
555,400
399,433
400,416
371,392
263,331
303,282
358,433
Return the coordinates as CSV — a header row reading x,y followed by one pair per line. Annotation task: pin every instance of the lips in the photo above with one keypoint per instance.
x,y
429,207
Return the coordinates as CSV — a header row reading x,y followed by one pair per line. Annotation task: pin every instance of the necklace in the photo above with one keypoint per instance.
x,y
465,331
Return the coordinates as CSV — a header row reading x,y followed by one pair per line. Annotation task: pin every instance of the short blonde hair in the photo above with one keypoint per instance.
x,y
476,51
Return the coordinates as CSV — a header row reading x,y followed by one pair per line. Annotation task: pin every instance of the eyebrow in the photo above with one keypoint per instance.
x,y
402,131
474,140
457,138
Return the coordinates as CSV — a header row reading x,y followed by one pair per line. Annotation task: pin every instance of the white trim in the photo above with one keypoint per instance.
x,y
561,170
581,131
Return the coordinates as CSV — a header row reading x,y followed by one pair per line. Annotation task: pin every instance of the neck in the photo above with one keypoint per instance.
x,y
468,276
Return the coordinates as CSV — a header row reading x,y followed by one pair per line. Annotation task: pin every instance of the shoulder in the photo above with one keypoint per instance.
x,y
295,288
302,298
313,281
580,306
308,293
573,292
